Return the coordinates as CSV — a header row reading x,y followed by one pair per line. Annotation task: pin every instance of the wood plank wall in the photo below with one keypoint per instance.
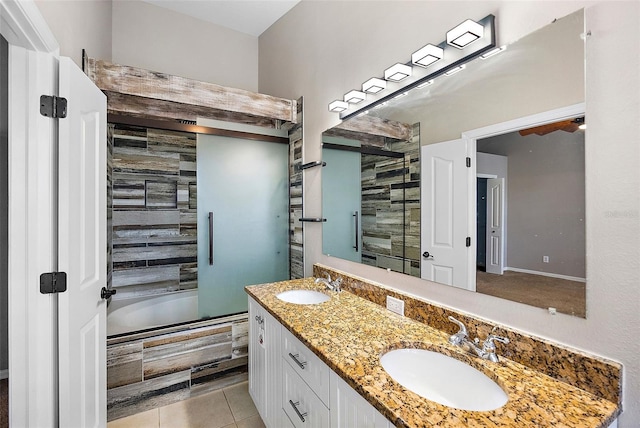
x,y
391,201
154,223
145,371
296,241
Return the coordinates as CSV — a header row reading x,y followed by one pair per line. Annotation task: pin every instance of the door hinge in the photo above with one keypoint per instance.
x,y
468,241
53,282
53,107
468,162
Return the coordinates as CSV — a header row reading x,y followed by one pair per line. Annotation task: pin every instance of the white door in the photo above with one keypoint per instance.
x,y
82,250
445,226
495,226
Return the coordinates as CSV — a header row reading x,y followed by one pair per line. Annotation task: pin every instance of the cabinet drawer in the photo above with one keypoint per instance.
x,y
304,408
307,364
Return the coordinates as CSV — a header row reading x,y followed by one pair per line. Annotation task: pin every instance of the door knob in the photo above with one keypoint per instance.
x,y
105,293
427,256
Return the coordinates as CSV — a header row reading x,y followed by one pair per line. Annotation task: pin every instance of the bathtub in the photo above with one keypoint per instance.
x,y
128,315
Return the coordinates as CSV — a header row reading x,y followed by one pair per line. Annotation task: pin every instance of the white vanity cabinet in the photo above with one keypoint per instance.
x,y
265,379
349,409
292,387
305,398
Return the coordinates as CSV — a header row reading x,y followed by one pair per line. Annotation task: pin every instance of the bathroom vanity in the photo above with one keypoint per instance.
x,y
319,365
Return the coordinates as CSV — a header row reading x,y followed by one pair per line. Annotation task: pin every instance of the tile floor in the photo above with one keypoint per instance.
x,y
230,407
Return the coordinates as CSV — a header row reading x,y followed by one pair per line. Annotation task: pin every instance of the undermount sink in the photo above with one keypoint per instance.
x,y
445,380
303,297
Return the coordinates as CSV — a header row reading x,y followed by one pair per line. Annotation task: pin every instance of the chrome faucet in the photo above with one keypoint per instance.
x,y
331,285
488,349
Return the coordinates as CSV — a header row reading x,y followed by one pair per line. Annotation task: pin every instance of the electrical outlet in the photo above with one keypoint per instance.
x,y
395,305
545,259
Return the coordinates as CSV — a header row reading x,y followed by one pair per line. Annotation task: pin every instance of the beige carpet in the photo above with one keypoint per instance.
x,y
568,297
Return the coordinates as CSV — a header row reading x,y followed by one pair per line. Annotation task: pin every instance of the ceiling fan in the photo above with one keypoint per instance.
x,y
569,125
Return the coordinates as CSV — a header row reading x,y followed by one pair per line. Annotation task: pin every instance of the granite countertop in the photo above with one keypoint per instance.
x,y
350,334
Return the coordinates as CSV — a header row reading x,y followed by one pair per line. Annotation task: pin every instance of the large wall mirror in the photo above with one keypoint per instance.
x,y
475,180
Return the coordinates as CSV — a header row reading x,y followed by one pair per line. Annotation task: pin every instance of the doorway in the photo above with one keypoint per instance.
x,y
543,254
481,224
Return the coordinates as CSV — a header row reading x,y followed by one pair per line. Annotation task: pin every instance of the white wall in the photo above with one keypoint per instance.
x,y
159,39
79,25
323,49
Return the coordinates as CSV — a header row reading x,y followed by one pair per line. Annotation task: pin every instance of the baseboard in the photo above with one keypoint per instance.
x,y
552,275
4,374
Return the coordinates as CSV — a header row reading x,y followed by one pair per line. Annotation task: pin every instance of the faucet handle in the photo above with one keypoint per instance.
x,y
337,284
463,329
458,338
488,343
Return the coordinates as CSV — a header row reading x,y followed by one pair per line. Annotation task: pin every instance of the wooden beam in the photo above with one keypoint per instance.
x,y
376,126
170,125
364,138
131,105
160,86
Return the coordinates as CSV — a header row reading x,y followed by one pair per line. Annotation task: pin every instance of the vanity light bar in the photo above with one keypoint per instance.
x,y
455,70
397,72
493,52
354,97
374,85
446,58
427,55
338,106
464,34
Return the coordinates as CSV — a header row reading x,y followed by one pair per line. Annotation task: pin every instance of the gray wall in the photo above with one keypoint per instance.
x,y
324,49
4,204
143,35
159,39
79,25
545,199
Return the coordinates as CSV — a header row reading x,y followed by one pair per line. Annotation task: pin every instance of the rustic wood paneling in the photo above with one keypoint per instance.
x,y
296,236
391,206
372,125
171,364
160,86
147,108
154,234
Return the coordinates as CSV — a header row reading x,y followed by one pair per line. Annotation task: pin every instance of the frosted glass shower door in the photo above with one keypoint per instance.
x,y
341,204
244,184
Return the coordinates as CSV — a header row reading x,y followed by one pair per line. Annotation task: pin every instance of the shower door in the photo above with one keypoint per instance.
x,y
243,220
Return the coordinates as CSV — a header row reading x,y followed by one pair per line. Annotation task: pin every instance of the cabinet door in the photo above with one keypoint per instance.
x,y
273,372
349,409
257,359
265,373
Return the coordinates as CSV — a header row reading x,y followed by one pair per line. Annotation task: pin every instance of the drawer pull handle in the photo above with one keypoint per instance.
x,y
295,407
300,364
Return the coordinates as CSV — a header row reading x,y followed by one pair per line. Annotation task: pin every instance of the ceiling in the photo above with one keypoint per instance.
x,y
246,16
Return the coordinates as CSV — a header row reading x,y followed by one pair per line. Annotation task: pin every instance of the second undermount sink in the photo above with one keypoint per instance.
x,y
443,379
303,297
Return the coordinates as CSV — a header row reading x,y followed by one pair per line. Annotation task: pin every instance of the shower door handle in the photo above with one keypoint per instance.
x,y
356,217
211,238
